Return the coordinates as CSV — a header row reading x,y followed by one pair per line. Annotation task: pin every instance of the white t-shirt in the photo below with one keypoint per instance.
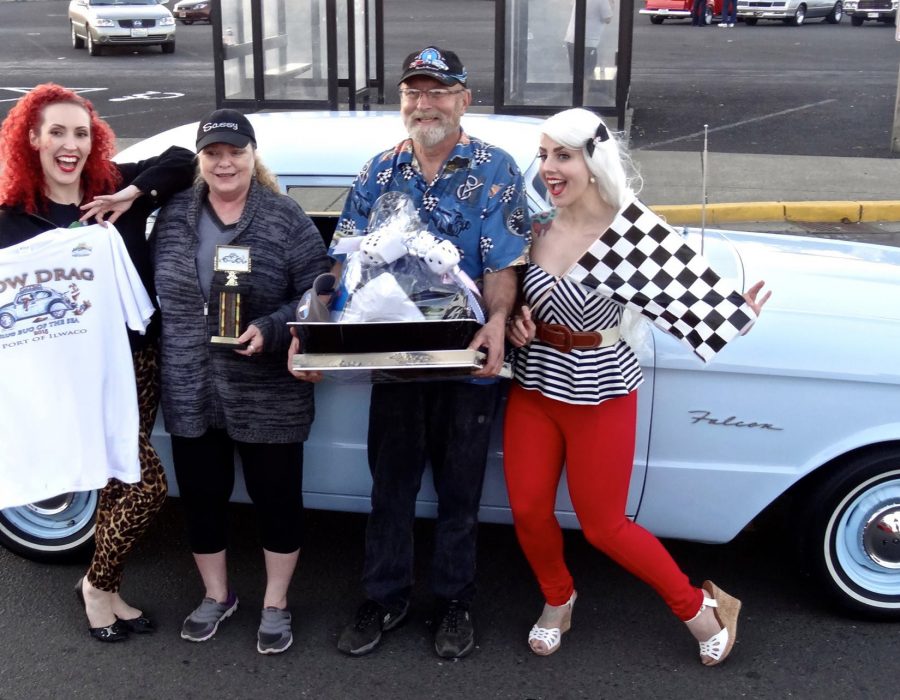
x,y
68,407
598,14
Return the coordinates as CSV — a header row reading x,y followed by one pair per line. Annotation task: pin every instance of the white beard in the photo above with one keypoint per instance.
x,y
429,136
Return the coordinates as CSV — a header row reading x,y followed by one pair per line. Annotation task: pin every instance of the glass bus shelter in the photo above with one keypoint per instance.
x,y
293,54
326,54
554,54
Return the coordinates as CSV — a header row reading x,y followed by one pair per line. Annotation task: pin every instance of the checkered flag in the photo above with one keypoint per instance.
x,y
642,263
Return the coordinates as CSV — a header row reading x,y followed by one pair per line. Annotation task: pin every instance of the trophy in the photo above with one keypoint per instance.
x,y
231,260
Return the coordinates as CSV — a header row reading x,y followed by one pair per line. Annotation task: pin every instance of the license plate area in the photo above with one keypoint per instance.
x,y
139,33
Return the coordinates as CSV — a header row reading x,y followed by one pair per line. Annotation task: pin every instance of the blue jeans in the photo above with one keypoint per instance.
x,y
729,11
448,423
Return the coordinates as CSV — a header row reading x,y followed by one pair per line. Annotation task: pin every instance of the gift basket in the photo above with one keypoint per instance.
x,y
402,303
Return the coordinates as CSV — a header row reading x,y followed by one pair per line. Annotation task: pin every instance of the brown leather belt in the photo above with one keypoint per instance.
x,y
565,339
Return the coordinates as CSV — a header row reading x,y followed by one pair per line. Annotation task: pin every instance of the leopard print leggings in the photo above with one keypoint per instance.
x,y
125,510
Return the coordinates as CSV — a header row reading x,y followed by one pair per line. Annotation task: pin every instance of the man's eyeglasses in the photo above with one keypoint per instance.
x,y
434,95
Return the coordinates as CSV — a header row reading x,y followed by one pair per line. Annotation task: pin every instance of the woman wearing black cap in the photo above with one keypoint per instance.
x,y
218,397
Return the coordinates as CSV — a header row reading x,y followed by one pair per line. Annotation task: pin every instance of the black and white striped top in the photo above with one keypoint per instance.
x,y
588,376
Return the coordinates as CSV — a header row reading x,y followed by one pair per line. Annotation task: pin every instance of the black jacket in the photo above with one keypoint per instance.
x,y
158,178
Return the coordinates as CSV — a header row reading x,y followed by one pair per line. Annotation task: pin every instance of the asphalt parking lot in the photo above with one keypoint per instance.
x,y
624,644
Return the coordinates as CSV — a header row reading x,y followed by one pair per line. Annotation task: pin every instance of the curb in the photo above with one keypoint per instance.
x,y
849,212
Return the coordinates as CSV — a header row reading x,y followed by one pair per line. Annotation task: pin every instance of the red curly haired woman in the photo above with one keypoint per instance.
x,y
55,171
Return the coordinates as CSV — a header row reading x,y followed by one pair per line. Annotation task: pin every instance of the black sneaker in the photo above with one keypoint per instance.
x,y
455,636
364,634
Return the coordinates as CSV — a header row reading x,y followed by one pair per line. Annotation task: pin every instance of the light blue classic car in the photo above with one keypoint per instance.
x,y
33,301
801,416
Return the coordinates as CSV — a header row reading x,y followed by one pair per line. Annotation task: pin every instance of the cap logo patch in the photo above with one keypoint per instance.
x,y
209,126
430,58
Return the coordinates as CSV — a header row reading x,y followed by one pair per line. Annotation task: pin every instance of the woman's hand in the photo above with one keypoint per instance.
x,y
521,329
750,296
253,337
109,207
300,374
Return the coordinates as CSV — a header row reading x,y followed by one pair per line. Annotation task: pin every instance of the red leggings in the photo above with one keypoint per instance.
x,y
596,443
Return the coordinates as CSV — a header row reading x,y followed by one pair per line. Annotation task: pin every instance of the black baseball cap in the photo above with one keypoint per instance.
x,y
436,63
225,126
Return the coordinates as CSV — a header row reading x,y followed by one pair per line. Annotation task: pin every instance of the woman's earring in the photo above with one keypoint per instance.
x,y
592,180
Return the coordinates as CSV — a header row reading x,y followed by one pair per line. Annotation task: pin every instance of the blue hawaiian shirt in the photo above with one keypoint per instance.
x,y
477,202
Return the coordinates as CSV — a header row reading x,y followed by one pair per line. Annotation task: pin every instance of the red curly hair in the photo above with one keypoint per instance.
x,y
21,175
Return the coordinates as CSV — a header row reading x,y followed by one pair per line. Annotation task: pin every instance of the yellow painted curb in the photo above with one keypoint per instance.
x,y
744,211
845,212
822,212
880,211
675,214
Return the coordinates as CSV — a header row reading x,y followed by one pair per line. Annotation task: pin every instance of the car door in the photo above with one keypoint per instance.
x,y
78,10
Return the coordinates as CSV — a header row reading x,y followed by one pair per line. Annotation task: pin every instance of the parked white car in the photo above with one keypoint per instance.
x,y
99,24
801,416
862,11
794,12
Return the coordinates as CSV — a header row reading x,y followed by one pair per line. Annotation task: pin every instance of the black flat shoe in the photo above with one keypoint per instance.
x,y
138,625
115,632
111,633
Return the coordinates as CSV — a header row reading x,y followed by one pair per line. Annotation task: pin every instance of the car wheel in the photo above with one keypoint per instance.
x,y
168,48
57,530
57,309
799,18
77,41
853,534
187,21
836,14
751,21
7,321
92,47
708,16
856,20
656,19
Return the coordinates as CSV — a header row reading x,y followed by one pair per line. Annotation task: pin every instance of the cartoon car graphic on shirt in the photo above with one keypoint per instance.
x,y
34,300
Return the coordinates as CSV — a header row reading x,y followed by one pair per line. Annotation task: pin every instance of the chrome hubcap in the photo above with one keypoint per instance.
x,y
881,536
51,506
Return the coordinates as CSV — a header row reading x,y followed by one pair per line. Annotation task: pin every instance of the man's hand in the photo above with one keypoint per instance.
x,y
490,338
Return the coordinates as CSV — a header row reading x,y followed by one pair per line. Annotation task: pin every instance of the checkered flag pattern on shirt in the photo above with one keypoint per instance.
x,y
641,262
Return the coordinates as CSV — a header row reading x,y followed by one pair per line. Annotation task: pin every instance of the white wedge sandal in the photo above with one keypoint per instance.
x,y
726,608
543,641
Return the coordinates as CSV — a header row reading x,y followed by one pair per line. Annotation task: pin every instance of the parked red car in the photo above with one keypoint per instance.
x,y
190,11
661,10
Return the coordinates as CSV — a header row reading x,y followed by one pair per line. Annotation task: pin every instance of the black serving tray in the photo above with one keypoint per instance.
x,y
383,336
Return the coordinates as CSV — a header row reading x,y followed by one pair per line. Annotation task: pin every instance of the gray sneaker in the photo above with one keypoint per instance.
x,y
203,622
274,635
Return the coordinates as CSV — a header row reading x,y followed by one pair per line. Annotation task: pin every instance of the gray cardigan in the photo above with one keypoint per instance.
x,y
254,398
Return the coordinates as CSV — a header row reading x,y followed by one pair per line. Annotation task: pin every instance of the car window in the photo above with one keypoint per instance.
x,y
322,203
95,3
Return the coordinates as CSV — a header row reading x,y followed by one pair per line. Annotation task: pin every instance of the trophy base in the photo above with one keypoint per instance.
x,y
226,341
